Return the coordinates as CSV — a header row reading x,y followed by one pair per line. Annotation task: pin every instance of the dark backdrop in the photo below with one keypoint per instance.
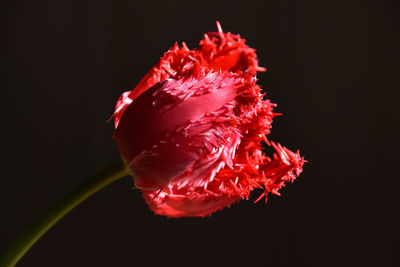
x,y
332,68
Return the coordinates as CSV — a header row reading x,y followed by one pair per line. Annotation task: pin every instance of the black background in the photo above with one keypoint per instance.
x,y
332,68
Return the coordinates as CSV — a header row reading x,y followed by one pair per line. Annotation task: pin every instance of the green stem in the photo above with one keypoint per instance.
x,y
59,209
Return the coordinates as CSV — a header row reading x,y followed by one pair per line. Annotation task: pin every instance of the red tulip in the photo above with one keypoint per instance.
x,y
191,130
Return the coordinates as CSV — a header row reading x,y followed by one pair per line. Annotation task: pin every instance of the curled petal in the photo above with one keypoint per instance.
x,y
218,51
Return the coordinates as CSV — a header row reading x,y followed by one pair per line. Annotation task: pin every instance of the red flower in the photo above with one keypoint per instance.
x,y
191,130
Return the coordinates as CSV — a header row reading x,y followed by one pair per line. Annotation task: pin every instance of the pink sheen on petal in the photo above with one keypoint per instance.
x,y
163,108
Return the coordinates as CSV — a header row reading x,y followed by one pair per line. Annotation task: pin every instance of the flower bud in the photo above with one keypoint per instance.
x,y
191,131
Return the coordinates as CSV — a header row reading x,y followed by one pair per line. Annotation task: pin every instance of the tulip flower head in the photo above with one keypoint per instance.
x,y
192,130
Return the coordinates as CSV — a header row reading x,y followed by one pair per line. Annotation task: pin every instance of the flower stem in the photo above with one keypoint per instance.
x,y
59,209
